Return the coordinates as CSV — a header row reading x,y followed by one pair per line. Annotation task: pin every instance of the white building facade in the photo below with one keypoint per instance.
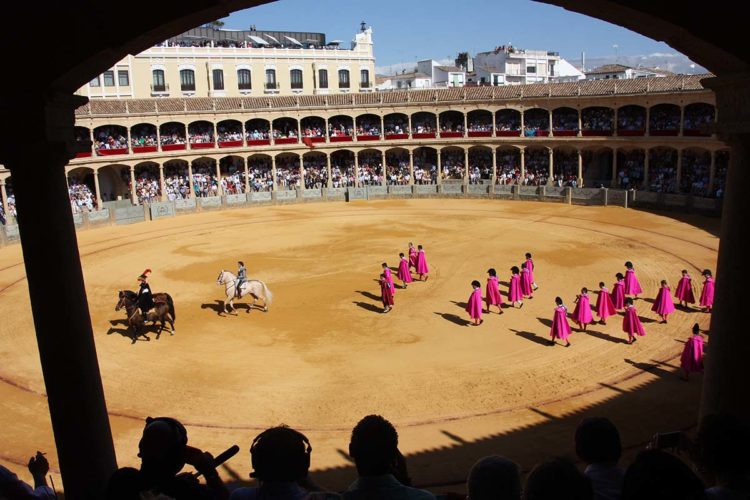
x,y
508,65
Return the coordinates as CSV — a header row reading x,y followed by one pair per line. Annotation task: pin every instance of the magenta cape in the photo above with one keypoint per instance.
x,y
691,359
474,307
422,263
386,292
707,294
560,326
604,305
632,287
582,312
684,291
530,268
412,257
526,290
631,323
514,290
493,297
618,296
663,304
389,277
403,271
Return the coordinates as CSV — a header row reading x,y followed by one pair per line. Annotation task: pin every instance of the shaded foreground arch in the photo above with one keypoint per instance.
x,y
44,109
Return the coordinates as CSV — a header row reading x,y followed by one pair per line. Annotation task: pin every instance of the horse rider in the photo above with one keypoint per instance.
x,y
145,298
241,278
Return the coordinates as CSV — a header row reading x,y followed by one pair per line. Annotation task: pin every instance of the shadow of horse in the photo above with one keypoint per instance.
x,y
134,337
218,307
369,307
454,319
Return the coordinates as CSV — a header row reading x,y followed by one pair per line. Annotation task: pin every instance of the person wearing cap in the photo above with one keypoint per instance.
x,y
145,298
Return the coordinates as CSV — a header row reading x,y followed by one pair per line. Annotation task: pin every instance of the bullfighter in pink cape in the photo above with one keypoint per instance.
x,y
691,360
386,293
560,326
514,290
684,292
618,292
631,323
389,276
530,267
526,290
632,287
474,304
663,305
404,273
422,268
604,305
493,297
582,312
412,255
707,294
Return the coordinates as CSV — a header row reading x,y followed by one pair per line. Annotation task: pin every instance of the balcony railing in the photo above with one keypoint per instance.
x,y
159,89
271,86
188,88
365,85
343,85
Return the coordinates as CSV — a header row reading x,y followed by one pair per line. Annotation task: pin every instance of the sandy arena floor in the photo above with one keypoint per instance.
x,y
324,356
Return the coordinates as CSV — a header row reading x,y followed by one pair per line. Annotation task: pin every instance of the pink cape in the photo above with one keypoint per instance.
x,y
582,312
692,355
530,268
560,326
389,277
707,294
526,290
386,292
514,290
493,297
663,304
604,305
618,297
474,307
413,257
404,274
632,287
631,323
422,263
684,291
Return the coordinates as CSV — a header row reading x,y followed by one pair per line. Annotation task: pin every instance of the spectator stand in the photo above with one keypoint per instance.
x,y
172,136
201,135
398,170
597,166
695,172
631,121
229,134
143,138
396,126
285,131
537,166
597,121
341,129
315,170
425,165
480,165
205,183
508,123
662,170
177,180
314,128
288,172
147,182
664,120
343,170
368,128
565,167
82,136
231,175
536,122
698,119
82,189
453,164
257,132
479,123
508,161
565,122
370,170
631,168
111,140
423,125
452,124
260,173
721,165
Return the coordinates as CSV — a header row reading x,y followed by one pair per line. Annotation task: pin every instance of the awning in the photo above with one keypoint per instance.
x,y
257,40
293,40
273,40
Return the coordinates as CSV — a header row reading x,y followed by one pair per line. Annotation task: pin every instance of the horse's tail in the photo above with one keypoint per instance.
x,y
170,303
266,292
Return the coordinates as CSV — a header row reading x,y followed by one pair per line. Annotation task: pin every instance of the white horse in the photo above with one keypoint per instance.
x,y
255,288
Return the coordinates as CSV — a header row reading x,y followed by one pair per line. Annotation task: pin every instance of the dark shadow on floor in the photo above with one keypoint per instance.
x,y
605,336
369,295
369,307
454,319
462,305
546,322
532,337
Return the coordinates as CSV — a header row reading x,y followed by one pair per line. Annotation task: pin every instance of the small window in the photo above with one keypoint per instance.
x,y
343,78
94,82
296,78
123,78
218,75
530,69
187,80
243,79
364,78
270,78
157,84
109,78
323,78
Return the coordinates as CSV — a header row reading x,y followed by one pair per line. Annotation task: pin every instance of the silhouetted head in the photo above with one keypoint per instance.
x,y
601,284
663,282
684,272
629,301
419,247
656,474
491,271
374,446
707,273
598,441
629,265
162,449
514,270
411,245
241,263
558,301
523,265
528,255
619,276
476,284
696,329
384,265
584,290
493,478
401,254
557,479
280,454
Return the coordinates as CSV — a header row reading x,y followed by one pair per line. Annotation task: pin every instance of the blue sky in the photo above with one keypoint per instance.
x,y
405,31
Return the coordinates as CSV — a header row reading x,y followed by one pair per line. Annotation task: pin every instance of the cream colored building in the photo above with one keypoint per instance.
x,y
224,63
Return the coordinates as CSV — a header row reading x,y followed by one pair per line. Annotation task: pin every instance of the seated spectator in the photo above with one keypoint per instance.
x,y
722,451
374,448
598,445
281,460
13,488
655,474
494,478
557,479
164,451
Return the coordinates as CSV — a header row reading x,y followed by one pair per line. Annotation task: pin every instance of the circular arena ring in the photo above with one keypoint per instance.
x,y
324,355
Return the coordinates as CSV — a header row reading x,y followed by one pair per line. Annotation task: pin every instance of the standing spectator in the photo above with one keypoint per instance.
x,y
12,488
598,446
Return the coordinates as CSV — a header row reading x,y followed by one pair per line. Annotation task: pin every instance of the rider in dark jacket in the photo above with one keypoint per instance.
x,y
145,298
241,278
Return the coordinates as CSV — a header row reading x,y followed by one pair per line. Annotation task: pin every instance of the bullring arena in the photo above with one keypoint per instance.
x,y
462,169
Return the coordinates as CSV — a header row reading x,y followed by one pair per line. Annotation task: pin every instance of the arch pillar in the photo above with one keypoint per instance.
x,y
301,169
158,138
356,170
130,143
551,166
494,124
466,166
613,181
161,183
712,173
494,166
382,132
614,125
522,152
549,123
648,121
646,161
191,189
411,167
439,169
244,137
383,170
329,181
523,123
273,173
409,117
682,119
4,198
466,125
580,123
579,177
133,196
97,191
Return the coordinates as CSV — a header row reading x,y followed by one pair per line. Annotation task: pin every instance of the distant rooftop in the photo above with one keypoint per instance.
x,y
451,69
609,68
208,36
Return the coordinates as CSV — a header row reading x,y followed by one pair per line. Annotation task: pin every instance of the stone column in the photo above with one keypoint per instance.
x,y
4,198
613,181
218,174
329,182
730,350
646,161
682,119
580,123
158,138
494,166
437,124
244,135
678,174
356,170
523,123
130,144
579,180
162,185
549,124
648,120
273,173
466,124
411,167
494,124
614,125
439,169
247,175
384,170
191,191
382,129
712,173
522,152
301,171
73,386
551,166
97,191
216,135
410,131
133,196
466,166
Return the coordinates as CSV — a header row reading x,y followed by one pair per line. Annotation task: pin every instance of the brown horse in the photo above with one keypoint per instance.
x,y
163,311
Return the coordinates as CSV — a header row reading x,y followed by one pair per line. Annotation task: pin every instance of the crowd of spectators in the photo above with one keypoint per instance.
x,y
340,127
564,119
631,118
201,133
176,182
172,134
80,196
698,116
397,170
395,125
695,174
260,175
425,167
233,182
720,176
315,128
110,138
204,180
342,175
285,132
508,120
480,166
368,127
480,123
665,117
452,123
662,170
370,169
535,122
565,169
508,167
143,135
630,169
287,172
600,119
536,163
316,172
424,124
147,187
452,164
229,133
